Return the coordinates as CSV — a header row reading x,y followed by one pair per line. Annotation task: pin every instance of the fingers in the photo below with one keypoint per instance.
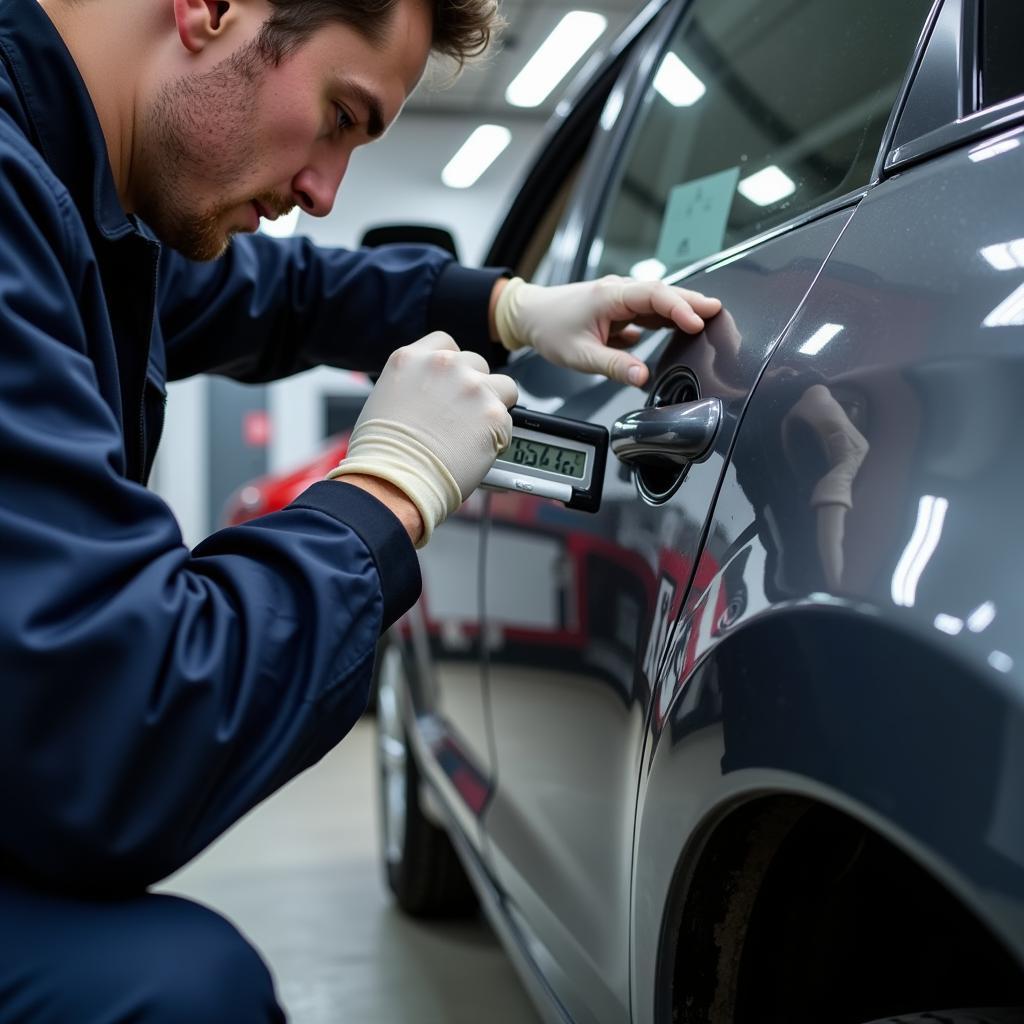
x,y
643,298
640,300
703,305
612,363
505,388
508,394
625,337
438,341
441,342
474,361
637,374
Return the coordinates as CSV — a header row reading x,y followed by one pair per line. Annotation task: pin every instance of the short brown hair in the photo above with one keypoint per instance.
x,y
462,28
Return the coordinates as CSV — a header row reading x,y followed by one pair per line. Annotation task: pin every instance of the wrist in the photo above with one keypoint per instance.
x,y
393,498
389,452
507,318
492,323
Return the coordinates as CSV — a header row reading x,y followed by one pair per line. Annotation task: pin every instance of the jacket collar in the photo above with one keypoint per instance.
x,y
60,113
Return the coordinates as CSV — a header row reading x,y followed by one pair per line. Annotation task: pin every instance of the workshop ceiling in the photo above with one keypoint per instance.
x,y
480,91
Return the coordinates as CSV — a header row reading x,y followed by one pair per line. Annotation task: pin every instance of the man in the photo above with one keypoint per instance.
x,y
151,695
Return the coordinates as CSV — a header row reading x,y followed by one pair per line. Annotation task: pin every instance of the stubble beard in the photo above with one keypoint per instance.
x,y
201,131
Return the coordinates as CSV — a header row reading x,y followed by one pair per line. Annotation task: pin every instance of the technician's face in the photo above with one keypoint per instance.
x,y
246,138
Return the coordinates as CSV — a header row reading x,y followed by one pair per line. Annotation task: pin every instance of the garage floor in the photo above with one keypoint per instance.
x,y
300,877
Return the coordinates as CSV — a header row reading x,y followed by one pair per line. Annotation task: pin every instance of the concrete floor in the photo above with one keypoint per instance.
x,y
300,877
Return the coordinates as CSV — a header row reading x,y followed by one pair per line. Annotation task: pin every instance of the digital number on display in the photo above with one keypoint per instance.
x,y
535,455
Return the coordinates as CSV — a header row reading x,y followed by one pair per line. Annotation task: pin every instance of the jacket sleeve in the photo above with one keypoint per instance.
x,y
272,307
150,695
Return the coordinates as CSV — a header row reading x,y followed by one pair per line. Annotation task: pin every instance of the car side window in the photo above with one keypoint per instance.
x,y
1002,69
759,111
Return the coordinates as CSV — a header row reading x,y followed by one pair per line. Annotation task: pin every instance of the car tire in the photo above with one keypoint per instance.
x,y
421,866
371,697
988,1015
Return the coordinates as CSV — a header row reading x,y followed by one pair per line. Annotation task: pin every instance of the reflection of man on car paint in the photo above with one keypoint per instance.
x,y
812,414
844,448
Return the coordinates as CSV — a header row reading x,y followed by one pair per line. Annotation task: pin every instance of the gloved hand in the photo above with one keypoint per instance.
x,y
584,326
432,426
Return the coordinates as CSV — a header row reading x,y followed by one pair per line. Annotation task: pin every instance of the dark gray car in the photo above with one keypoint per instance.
x,y
747,745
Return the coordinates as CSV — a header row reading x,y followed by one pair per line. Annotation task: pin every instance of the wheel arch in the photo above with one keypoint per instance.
x,y
803,707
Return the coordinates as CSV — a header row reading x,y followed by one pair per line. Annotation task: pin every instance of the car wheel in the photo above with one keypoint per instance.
x,y
371,697
420,864
989,1015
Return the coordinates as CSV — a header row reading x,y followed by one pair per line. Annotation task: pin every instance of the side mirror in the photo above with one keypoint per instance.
x,y
416,234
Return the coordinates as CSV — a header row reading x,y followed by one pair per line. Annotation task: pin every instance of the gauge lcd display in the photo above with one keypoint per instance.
x,y
538,455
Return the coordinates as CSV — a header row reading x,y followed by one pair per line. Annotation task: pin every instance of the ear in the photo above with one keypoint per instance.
x,y
199,22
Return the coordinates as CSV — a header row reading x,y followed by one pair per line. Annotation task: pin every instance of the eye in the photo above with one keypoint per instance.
x,y
343,119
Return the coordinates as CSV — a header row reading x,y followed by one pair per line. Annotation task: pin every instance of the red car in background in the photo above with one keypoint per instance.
x,y
273,491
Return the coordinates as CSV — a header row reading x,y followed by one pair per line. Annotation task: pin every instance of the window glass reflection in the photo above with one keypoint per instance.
x,y
1002,71
758,111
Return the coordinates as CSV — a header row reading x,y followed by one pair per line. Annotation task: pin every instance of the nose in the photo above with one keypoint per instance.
x,y
316,185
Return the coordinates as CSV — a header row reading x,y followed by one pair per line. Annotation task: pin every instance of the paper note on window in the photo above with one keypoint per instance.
x,y
695,218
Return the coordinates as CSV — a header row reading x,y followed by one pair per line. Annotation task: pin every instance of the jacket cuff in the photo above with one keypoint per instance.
x,y
459,307
385,537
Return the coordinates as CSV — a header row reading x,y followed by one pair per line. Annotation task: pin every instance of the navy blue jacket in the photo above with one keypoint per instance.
x,y
150,695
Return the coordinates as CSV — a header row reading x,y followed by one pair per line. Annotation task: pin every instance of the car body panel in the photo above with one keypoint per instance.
x,y
560,821
935,97
875,667
442,639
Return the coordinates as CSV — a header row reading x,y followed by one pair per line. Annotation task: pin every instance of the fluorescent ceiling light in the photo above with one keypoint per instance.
x,y
1000,662
677,83
283,227
648,270
991,149
948,624
1009,312
477,153
820,338
931,514
1005,255
767,186
982,617
573,36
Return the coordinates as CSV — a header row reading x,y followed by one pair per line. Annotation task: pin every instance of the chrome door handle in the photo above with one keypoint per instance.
x,y
673,433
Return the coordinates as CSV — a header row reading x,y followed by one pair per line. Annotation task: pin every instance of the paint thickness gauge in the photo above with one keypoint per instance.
x,y
552,457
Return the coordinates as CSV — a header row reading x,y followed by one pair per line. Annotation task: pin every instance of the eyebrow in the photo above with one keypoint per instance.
x,y
374,116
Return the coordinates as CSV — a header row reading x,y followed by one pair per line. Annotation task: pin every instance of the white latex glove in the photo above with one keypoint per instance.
x,y
585,326
432,426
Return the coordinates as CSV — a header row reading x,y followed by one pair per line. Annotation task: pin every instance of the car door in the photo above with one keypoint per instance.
x,y
729,159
